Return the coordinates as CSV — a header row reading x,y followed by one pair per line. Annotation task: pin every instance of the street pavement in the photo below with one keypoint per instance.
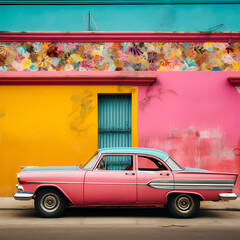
x,y
119,223
220,220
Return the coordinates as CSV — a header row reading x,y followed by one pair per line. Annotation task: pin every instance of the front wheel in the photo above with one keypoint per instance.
x,y
50,203
183,205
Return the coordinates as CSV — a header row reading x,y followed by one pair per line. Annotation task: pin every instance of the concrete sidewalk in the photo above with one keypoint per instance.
x,y
11,203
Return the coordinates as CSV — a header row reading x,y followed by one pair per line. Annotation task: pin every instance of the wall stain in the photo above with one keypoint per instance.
x,y
82,107
150,95
237,152
121,88
2,114
172,91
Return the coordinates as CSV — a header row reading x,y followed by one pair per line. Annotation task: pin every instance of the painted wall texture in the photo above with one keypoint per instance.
x,y
168,17
196,119
125,56
50,126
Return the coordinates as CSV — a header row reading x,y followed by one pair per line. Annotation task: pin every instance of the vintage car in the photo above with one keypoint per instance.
x,y
124,177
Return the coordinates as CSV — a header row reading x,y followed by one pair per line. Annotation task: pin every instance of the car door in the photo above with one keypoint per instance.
x,y
154,179
112,181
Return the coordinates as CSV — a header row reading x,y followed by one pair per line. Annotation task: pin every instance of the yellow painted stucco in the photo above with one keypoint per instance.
x,y
50,126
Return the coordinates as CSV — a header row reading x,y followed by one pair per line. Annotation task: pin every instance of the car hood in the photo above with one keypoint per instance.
x,y
62,168
195,170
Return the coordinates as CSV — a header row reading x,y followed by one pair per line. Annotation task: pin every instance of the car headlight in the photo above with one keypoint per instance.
x,y
19,188
18,178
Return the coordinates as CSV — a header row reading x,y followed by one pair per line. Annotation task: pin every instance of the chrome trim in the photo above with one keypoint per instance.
x,y
23,196
147,172
80,183
178,184
203,181
166,159
56,182
161,184
210,184
228,196
205,186
97,162
164,180
104,183
22,167
180,168
19,187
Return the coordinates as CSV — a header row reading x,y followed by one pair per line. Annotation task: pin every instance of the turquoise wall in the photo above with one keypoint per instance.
x,y
190,17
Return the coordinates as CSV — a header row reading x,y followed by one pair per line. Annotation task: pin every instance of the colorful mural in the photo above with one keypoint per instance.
x,y
125,56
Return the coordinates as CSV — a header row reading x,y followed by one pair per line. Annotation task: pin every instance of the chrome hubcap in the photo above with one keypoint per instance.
x,y
50,202
184,203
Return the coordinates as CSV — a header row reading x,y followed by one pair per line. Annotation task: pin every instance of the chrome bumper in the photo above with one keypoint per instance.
x,y
23,196
228,196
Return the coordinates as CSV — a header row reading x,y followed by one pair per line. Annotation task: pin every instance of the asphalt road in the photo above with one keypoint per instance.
x,y
114,224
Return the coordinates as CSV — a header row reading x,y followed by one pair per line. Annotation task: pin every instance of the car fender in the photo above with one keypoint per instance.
x,y
187,192
54,186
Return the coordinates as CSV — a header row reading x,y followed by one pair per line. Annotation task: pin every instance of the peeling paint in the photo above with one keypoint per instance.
x,y
194,148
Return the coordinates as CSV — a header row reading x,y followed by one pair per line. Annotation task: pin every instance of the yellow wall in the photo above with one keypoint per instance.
x,y
50,125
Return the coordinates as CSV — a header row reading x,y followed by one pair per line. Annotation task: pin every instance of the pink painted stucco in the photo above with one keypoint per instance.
x,y
194,116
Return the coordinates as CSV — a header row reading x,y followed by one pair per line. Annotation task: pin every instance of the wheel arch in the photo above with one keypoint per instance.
x,y
201,198
45,186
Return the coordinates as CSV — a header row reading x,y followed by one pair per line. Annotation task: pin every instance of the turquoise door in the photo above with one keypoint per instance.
x,y
115,125
114,121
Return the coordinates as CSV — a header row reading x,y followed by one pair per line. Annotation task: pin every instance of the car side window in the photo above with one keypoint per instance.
x,y
150,164
116,162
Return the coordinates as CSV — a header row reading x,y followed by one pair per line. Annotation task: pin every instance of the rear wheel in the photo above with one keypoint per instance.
x,y
183,205
50,203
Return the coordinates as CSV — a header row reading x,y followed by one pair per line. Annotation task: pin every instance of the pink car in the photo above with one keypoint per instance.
x,y
124,177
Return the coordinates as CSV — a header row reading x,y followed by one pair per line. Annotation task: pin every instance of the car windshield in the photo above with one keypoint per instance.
x,y
173,165
91,162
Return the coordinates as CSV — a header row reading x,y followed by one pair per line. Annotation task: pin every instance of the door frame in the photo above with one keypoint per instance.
x,y
134,106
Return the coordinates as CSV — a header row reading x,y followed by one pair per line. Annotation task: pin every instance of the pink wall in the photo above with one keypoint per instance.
x,y
195,117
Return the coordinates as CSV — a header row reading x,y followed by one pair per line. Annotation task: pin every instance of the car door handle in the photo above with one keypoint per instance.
x,y
167,174
129,173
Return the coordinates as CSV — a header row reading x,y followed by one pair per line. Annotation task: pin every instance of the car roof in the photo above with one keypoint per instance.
x,y
154,152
